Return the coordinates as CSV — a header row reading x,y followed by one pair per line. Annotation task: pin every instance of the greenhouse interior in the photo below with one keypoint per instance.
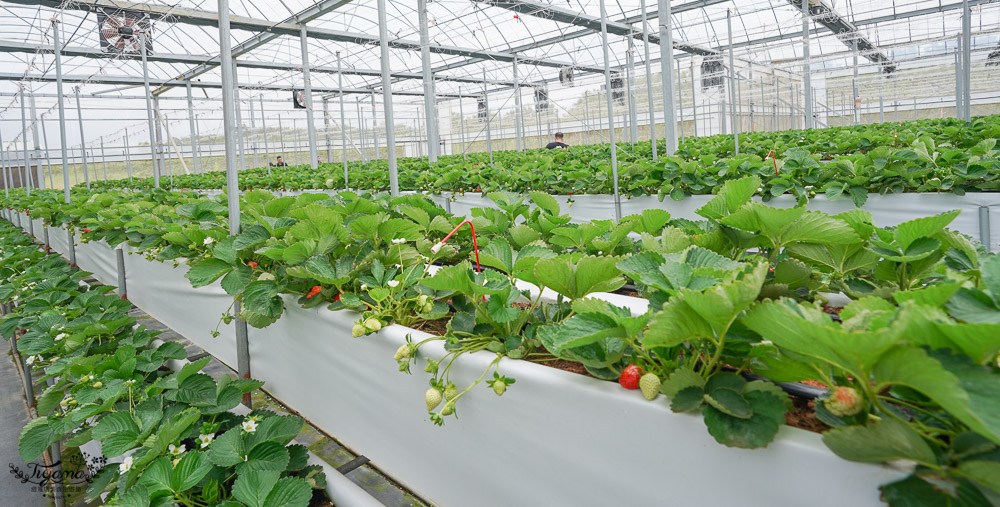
x,y
500,253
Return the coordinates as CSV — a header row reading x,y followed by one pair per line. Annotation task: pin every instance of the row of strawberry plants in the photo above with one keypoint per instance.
x,y
177,439
844,162
914,358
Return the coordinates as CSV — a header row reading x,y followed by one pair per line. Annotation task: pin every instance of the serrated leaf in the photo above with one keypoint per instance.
x,y
881,441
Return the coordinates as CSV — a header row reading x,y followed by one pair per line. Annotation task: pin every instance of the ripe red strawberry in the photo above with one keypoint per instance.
x,y
629,378
252,264
86,229
312,292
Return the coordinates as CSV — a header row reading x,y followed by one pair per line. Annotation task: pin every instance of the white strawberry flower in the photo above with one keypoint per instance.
x,y
60,336
393,283
208,240
130,382
176,450
126,465
249,426
364,286
206,439
398,241
31,359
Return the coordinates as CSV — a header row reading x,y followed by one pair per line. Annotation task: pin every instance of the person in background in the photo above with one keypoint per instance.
x,y
557,143
279,163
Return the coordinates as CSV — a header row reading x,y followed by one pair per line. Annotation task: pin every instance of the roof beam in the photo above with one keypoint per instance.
x,y
844,30
592,24
863,22
271,30
653,14
7,46
309,14
135,81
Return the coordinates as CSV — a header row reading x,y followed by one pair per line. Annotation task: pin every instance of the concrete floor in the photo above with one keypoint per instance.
x,y
13,417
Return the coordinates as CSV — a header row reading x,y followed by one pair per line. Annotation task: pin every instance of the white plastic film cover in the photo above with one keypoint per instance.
x,y
59,240
555,438
164,293
97,258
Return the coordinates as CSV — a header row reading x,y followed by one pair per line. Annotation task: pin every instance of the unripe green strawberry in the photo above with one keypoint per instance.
x,y
428,308
358,330
373,324
98,384
433,398
450,392
650,385
499,387
422,300
448,408
844,402
403,352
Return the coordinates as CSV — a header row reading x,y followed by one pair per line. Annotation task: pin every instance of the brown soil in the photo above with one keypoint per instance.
x,y
562,364
435,327
803,416
815,383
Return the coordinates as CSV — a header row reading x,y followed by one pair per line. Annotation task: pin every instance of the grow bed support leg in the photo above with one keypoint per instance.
x,y
984,227
242,350
120,257
72,249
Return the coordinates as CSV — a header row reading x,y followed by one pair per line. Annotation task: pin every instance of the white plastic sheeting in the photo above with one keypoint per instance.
x,y
561,438
162,291
97,258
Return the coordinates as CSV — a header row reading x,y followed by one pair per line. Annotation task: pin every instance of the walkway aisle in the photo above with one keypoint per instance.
x,y
13,417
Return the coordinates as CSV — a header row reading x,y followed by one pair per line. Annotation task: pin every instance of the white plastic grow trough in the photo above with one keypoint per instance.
x,y
556,438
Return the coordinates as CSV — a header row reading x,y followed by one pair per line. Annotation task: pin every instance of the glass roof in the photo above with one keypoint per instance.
x,y
766,34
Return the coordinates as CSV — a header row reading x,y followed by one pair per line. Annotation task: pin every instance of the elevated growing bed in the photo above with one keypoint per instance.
x,y
556,438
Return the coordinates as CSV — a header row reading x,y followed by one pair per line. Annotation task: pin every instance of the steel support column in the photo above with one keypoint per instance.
x,y
649,81
232,184
390,134
326,130
806,78
667,73
486,103
128,159
263,126
343,121
610,101
517,108
966,60
857,91
28,181
430,102
732,82
307,85
633,115
40,172
239,118
149,115
104,160
194,138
